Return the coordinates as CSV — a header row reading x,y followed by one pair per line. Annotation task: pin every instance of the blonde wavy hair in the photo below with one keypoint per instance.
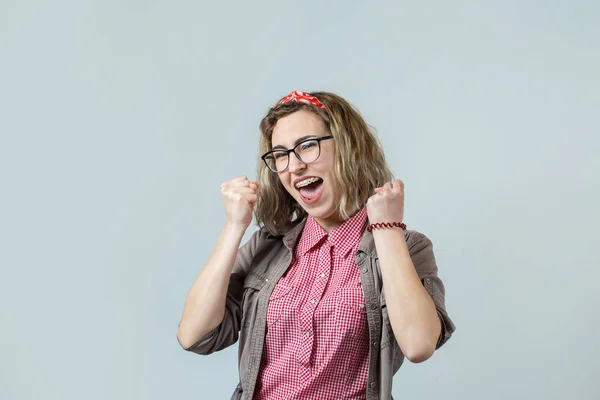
x,y
360,164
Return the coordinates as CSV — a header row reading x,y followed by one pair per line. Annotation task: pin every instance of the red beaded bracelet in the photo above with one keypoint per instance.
x,y
379,225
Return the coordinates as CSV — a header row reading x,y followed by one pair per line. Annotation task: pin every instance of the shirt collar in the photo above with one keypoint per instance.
x,y
344,238
312,234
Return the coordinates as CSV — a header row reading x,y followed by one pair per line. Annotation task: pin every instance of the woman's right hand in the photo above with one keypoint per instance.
x,y
239,198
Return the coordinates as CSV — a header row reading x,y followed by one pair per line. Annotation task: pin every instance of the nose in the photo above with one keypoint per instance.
x,y
295,165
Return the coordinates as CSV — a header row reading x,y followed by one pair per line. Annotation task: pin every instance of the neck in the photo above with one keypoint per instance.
x,y
333,221
330,223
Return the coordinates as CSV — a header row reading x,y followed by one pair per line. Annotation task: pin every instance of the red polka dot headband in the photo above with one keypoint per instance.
x,y
301,97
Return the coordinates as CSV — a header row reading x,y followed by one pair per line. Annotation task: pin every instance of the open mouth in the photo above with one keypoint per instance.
x,y
310,189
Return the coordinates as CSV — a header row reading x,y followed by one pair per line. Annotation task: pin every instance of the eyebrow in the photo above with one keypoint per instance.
x,y
301,139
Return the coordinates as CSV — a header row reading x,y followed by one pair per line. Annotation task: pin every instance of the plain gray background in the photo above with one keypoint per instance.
x,y
119,120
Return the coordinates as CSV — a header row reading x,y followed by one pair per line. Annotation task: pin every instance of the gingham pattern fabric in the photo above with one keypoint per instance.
x,y
317,344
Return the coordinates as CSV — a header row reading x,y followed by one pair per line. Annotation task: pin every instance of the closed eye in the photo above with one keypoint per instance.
x,y
307,145
278,155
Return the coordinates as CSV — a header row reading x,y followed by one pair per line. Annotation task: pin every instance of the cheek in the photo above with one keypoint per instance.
x,y
283,179
332,184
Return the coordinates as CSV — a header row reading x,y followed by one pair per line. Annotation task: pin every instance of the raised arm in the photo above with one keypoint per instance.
x,y
205,305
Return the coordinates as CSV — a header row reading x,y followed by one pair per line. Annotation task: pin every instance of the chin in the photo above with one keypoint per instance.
x,y
322,212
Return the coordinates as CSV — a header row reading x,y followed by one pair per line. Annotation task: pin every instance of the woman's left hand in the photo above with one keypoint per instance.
x,y
387,204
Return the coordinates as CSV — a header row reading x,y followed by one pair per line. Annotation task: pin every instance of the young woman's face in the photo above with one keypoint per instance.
x,y
311,184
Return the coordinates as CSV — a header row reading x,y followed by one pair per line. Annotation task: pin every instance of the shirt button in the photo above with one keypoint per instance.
x,y
373,306
372,384
361,305
374,344
428,281
307,333
313,302
364,270
322,275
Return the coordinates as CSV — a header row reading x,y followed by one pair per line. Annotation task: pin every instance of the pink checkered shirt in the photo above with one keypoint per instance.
x,y
317,344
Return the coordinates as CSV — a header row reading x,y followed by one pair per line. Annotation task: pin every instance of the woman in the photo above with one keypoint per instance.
x,y
332,292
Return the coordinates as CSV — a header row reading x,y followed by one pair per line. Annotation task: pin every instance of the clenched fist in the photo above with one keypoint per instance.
x,y
239,198
387,204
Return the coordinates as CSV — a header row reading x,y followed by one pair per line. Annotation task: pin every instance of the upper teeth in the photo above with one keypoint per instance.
x,y
307,182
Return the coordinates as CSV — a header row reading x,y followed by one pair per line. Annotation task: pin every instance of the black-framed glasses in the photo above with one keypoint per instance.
x,y
307,151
